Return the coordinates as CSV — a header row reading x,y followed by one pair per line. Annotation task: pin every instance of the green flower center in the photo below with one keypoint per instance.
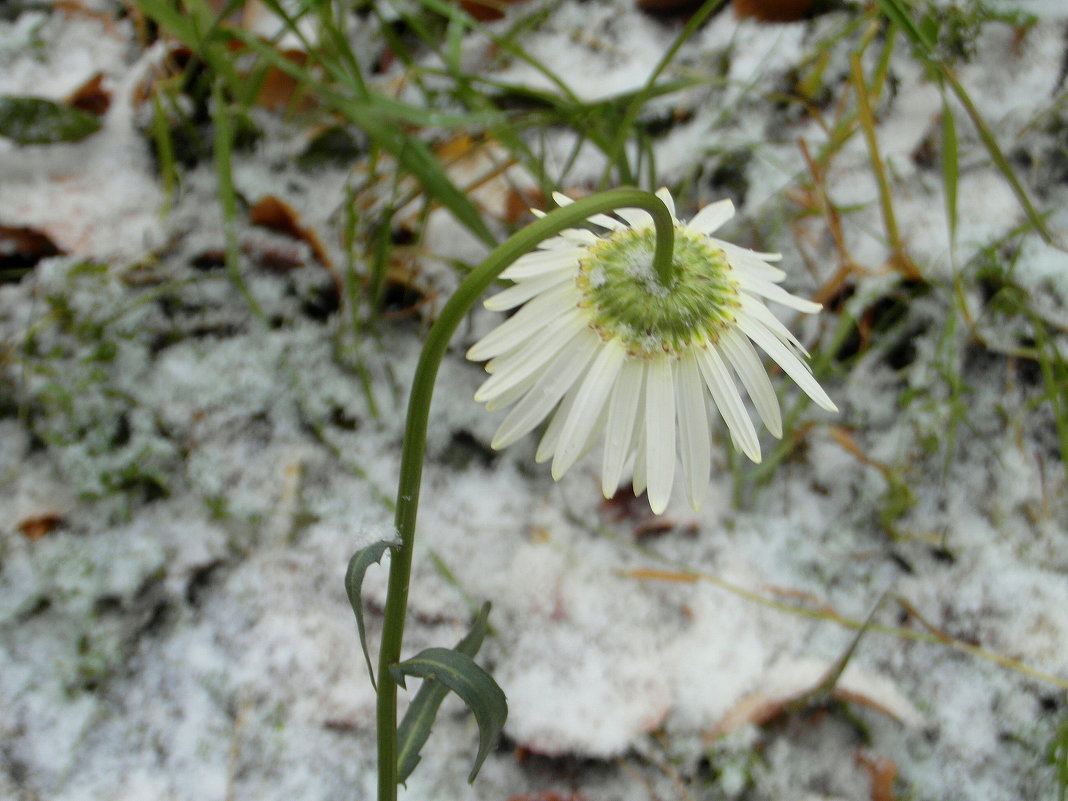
x,y
628,302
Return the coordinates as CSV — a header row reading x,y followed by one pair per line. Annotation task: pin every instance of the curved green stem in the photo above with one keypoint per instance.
x,y
411,470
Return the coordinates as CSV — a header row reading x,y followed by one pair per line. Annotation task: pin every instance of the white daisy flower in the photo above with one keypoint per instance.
x,y
600,340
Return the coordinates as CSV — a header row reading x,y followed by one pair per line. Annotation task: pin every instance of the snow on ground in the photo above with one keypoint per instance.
x,y
180,630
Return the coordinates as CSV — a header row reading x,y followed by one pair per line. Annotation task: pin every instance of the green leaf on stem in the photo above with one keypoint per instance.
x,y
459,673
361,560
415,728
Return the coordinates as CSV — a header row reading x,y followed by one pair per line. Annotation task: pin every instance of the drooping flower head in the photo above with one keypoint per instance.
x,y
601,342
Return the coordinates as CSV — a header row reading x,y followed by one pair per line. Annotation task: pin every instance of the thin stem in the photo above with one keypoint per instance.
x,y
411,471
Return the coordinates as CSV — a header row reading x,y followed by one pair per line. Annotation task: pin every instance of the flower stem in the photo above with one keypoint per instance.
x,y
411,471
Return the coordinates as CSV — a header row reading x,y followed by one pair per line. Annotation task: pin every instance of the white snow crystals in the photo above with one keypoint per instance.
x,y
604,343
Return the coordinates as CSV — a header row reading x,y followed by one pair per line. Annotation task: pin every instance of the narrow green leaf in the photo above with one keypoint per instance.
x,y
224,147
36,121
950,168
924,49
415,728
459,673
361,560
899,15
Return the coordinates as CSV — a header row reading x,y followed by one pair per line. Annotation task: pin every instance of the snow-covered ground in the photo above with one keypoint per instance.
x,y
182,485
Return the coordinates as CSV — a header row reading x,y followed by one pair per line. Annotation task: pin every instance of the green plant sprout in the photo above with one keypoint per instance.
x,y
627,334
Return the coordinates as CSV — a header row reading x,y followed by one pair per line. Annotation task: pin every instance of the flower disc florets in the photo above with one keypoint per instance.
x,y
628,302
604,346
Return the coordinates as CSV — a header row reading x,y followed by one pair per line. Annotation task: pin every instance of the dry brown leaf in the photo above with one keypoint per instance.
x,y
91,97
775,10
790,682
276,215
669,7
38,526
279,90
548,795
24,247
486,10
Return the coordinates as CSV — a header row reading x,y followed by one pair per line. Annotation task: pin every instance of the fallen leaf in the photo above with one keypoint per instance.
x,y
775,10
486,10
22,248
277,215
279,90
38,526
91,97
669,7
789,682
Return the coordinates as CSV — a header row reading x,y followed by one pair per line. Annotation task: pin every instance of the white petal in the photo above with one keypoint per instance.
x,y
516,392
668,200
712,216
756,256
729,402
745,361
535,406
750,259
538,313
619,430
791,365
523,291
660,431
603,220
512,368
774,292
695,445
636,218
588,406
539,262
756,310
599,219
547,445
638,481
568,238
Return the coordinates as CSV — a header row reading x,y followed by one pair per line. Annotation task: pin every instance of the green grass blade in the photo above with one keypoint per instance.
x,y
924,49
950,168
224,142
413,154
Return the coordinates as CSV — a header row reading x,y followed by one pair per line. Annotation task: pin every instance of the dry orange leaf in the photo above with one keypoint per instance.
x,y
278,216
24,247
486,10
278,90
38,526
91,97
774,10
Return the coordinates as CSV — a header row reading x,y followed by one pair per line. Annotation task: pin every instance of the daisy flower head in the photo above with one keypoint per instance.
x,y
604,347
